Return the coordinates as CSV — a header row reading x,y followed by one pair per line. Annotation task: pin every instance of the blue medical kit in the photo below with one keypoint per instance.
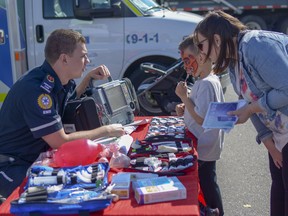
x,y
67,190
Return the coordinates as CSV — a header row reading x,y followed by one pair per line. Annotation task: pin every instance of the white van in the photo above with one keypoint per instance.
x,y
121,34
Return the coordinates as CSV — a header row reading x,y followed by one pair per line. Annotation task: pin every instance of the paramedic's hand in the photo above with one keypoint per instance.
x,y
180,109
115,130
99,73
181,90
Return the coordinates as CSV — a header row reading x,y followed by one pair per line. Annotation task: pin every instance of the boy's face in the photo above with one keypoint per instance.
x,y
190,62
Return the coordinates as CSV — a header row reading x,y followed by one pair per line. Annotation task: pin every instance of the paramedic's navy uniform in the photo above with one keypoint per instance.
x,y
31,110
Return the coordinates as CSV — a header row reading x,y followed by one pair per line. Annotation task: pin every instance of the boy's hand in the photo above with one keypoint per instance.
x,y
181,90
180,109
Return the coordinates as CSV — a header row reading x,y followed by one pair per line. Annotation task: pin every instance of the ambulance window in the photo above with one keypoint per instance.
x,y
145,5
58,9
98,4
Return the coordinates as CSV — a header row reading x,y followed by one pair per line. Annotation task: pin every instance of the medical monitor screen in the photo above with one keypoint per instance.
x,y
116,98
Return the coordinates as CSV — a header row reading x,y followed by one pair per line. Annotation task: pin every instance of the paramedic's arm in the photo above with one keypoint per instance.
x,y
99,73
181,92
56,139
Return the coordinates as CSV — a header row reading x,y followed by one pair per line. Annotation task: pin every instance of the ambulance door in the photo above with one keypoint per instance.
x,y
104,35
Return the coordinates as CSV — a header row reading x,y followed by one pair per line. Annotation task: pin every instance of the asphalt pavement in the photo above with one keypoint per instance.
x,y
243,171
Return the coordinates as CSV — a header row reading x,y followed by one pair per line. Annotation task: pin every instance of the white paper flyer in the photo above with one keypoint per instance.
x,y
217,117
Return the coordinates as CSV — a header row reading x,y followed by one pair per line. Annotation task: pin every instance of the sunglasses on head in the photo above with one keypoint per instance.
x,y
200,44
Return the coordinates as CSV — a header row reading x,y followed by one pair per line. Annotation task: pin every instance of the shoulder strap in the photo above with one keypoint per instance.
x,y
133,93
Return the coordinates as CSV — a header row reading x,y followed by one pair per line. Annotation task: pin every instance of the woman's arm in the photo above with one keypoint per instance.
x,y
262,131
265,136
268,68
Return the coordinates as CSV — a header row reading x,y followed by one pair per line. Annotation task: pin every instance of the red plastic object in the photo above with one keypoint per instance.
x,y
77,152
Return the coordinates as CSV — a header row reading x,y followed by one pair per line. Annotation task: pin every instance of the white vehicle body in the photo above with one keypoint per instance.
x,y
140,31
256,14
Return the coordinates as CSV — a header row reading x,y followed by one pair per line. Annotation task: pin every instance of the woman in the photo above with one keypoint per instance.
x,y
257,62
206,89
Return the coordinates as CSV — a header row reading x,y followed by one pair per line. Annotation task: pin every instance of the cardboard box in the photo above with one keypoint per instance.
x,y
122,182
159,189
122,185
138,175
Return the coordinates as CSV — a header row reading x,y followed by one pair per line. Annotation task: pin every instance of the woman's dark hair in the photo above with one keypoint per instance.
x,y
227,27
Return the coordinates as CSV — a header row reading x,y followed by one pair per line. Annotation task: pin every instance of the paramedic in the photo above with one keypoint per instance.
x,y
31,113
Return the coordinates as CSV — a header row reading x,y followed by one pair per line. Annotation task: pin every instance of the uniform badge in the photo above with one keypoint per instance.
x,y
48,83
44,101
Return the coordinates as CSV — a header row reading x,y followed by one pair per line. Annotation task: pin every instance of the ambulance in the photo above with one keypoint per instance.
x,y
121,34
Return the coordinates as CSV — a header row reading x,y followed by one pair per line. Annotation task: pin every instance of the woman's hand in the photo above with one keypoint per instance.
x,y
277,157
243,114
246,111
274,152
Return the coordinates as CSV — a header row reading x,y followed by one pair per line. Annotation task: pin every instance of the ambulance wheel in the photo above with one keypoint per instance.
x,y
284,26
148,105
254,22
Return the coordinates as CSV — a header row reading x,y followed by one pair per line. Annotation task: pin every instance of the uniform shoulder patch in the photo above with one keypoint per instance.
x,y
48,83
44,101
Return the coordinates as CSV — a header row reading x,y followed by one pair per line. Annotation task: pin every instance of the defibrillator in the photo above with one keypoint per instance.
x,y
112,102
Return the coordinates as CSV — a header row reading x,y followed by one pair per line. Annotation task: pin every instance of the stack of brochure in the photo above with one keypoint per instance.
x,y
217,117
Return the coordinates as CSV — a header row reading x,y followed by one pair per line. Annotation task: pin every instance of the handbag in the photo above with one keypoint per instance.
x,y
81,114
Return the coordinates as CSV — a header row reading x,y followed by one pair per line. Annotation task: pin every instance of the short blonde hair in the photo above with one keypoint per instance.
x,y
62,41
188,42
